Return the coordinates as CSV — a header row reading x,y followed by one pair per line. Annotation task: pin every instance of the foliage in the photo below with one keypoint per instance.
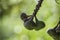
x,y
11,26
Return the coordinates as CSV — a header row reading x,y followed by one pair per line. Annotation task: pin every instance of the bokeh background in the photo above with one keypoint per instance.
x,y
11,25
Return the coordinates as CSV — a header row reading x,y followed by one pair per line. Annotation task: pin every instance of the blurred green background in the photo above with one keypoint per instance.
x,y
11,26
